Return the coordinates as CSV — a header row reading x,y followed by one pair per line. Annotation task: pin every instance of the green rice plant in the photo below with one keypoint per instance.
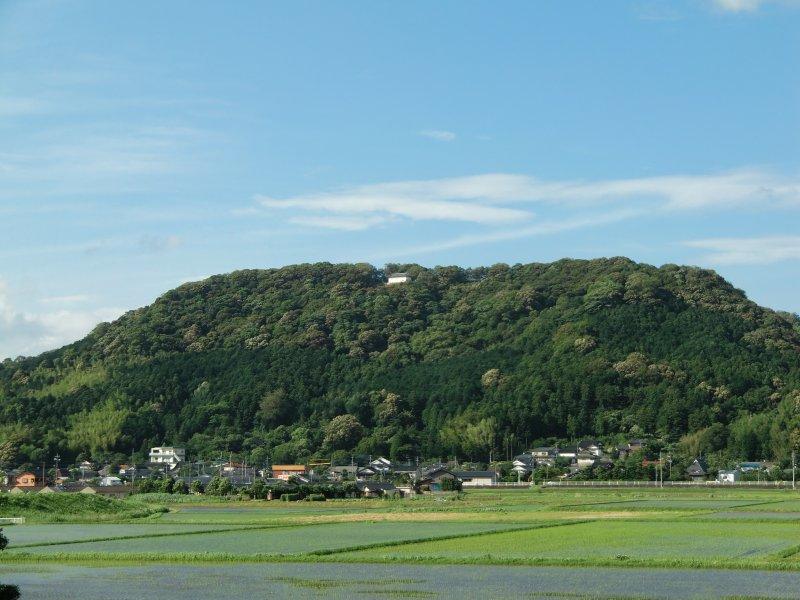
x,y
612,540
272,540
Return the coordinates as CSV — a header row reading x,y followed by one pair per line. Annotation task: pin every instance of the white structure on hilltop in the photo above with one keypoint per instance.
x,y
396,278
168,456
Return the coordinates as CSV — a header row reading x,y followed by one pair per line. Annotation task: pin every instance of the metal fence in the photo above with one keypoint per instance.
x,y
658,484
499,484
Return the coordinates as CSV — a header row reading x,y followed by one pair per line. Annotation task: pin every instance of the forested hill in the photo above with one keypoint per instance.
x,y
323,359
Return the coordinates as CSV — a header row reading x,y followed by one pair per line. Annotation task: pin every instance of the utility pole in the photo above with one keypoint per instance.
x,y
794,469
56,460
133,469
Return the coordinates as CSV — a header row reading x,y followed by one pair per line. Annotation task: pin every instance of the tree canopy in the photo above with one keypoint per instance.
x,y
311,360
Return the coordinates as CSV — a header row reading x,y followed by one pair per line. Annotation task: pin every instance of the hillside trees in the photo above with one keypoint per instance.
x,y
285,364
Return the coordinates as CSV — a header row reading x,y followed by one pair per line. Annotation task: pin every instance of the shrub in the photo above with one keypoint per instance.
x,y
451,485
290,497
219,486
316,497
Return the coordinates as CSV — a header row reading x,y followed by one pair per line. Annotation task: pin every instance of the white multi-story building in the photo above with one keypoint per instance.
x,y
168,456
396,278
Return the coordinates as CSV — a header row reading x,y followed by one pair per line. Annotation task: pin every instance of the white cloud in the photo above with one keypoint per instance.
x,y
384,200
159,243
73,299
93,159
440,135
749,6
738,5
749,251
341,223
539,229
495,198
27,333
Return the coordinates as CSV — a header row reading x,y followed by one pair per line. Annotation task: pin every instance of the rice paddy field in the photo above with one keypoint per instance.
x,y
532,543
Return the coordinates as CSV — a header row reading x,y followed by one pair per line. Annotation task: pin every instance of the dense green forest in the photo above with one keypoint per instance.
x,y
324,359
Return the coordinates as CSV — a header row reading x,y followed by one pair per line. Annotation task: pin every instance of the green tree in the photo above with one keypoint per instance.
x,y
98,429
219,486
342,432
273,407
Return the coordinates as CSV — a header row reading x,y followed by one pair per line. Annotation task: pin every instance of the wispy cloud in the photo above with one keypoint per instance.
x,y
159,243
395,200
749,251
93,159
550,227
353,223
495,199
749,6
738,5
440,135
27,333
71,299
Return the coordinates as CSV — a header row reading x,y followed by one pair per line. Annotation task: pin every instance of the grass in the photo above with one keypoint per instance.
x,y
59,508
72,381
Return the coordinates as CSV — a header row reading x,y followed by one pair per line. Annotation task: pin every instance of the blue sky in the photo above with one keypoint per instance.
x,y
148,144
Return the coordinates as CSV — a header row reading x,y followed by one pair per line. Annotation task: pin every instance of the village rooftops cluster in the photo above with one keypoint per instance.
x,y
592,453
586,453
373,476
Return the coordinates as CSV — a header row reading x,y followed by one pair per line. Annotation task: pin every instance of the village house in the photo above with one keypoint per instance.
x,y
27,479
568,453
698,470
523,465
110,491
545,455
748,467
436,479
110,480
60,477
631,447
285,472
728,476
593,447
383,467
585,459
167,456
342,472
381,464
477,478
376,489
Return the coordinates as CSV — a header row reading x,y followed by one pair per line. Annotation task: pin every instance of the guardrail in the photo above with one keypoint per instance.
x,y
498,484
12,520
659,484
